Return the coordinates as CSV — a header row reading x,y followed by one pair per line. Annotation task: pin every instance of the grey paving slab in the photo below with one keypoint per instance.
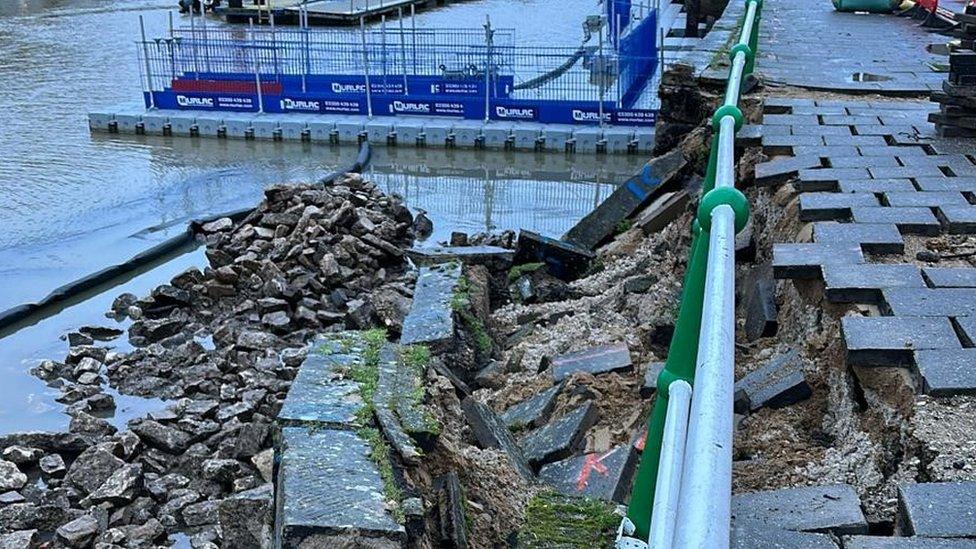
x,y
651,374
878,238
967,330
781,169
863,161
787,141
790,120
759,302
950,277
853,283
879,129
471,255
561,437
747,537
833,174
958,219
850,120
322,393
823,206
925,199
533,411
890,341
605,476
875,185
930,301
805,261
780,382
961,184
328,485
946,372
856,140
835,509
943,510
431,318
818,130
902,171
909,220
900,152
491,432
879,542
824,151
597,360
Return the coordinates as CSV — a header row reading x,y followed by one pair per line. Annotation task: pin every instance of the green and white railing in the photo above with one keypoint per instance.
x,y
682,493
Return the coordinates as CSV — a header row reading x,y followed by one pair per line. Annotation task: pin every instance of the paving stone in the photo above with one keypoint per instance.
x,y
875,185
863,283
823,151
832,175
759,303
835,509
950,277
818,130
561,437
900,152
790,120
878,542
958,219
856,140
863,161
849,120
821,206
563,259
775,104
779,382
925,199
878,129
943,510
902,171
782,169
746,537
967,330
605,476
597,360
322,393
750,135
890,341
876,238
451,520
491,432
493,257
330,487
431,318
945,184
930,301
601,224
651,374
403,418
662,211
806,260
947,372
909,220
778,142
533,411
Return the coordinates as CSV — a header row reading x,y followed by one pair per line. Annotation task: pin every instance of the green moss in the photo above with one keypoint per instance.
x,y
518,270
623,226
417,358
461,304
367,373
552,520
379,452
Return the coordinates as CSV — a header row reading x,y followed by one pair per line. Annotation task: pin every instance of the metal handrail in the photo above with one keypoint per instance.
x,y
688,467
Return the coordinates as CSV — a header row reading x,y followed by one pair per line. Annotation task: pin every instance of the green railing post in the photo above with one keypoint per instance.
x,y
709,181
680,364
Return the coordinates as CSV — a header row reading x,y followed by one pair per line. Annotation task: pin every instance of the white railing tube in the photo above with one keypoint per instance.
x,y
672,457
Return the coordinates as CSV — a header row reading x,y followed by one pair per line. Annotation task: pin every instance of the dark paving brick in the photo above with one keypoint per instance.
x,y
849,120
328,486
854,283
828,206
833,174
759,303
875,185
605,476
563,259
750,135
784,104
491,432
598,360
856,140
805,261
790,120
863,162
901,171
962,184
946,372
878,129
786,141
926,200
824,151
950,277
958,219
470,255
877,238
878,542
909,220
561,437
782,169
889,341
431,318
835,509
967,330
820,130
533,411
651,374
944,510
900,152
779,382
452,524
772,538
930,301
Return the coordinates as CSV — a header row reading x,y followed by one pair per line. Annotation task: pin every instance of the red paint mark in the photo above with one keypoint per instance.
x,y
641,442
590,464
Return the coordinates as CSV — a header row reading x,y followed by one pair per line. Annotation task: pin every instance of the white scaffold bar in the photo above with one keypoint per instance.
x,y
673,442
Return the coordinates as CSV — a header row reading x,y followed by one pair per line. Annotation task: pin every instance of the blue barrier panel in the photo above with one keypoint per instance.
x,y
638,59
